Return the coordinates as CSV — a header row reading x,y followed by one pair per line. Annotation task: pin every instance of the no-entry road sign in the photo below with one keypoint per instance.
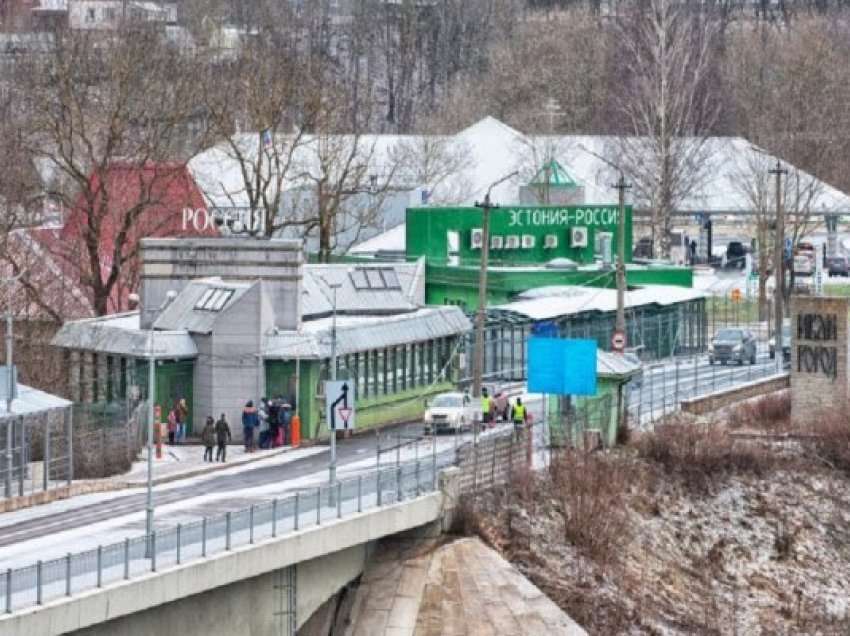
x,y
618,341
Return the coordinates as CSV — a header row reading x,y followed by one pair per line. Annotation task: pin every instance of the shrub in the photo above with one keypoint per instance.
x,y
827,438
700,453
771,413
592,490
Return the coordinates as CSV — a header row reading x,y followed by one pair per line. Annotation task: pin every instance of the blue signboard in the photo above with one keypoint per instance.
x,y
545,329
562,366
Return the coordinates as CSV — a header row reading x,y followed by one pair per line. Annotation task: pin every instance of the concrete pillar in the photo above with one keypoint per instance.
x,y
87,393
74,376
102,362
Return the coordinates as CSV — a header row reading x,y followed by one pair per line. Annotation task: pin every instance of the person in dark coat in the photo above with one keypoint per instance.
x,y
274,420
222,437
250,421
286,422
208,438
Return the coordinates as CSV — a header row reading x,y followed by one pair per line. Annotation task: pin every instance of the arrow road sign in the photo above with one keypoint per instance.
x,y
339,404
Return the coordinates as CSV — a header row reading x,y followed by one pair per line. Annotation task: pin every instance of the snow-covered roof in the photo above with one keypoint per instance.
x,y
545,303
614,365
120,334
31,401
363,333
391,241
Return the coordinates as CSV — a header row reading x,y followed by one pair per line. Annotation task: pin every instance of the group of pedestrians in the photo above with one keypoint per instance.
x,y
216,434
500,406
267,426
177,418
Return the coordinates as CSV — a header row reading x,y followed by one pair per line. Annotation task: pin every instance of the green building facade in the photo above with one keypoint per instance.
x,y
521,235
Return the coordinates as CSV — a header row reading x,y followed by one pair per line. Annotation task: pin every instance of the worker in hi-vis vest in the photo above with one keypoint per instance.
x,y
486,407
519,416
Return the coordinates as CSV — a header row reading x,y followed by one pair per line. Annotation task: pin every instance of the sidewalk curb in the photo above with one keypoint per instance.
x,y
203,470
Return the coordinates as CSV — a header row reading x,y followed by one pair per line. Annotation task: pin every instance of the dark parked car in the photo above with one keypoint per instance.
x,y
838,266
732,345
643,249
736,255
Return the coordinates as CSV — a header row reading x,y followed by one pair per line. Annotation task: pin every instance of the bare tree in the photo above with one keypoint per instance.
x,y
438,163
106,115
669,108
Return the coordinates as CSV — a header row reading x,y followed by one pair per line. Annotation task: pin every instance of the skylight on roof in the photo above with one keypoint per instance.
x,y
214,299
374,278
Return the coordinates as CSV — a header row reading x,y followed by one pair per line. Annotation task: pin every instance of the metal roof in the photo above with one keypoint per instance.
x,y
363,333
317,291
545,303
120,335
181,314
614,365
31,401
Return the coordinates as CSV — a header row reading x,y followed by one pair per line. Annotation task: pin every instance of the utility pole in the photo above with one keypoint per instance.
x,y
620,324
778,270
481,314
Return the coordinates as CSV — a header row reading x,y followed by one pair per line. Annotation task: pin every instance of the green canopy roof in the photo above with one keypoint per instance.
x,y
552,173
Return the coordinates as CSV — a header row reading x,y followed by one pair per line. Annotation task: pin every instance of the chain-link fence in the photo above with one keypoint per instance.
x,y
36,452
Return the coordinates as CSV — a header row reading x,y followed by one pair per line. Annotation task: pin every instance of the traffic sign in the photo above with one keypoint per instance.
x,y
339,404
618,341
736,295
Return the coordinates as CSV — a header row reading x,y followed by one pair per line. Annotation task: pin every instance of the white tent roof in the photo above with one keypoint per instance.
x,y
31,401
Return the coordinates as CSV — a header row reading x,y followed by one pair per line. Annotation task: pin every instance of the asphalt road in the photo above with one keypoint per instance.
x,y
349,450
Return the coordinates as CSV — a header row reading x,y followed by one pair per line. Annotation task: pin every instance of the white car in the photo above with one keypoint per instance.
x,y
451,412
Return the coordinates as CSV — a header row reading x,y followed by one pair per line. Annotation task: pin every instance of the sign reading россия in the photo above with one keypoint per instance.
x,y
234,218
523,217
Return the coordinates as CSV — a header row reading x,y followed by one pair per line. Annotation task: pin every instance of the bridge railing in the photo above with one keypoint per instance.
x,y
45,581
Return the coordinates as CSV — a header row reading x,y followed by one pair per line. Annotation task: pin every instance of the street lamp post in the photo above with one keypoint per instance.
x,y
151,410
332,433
778,269
480,316
10,382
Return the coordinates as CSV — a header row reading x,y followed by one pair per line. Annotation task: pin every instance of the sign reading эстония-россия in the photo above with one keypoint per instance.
x,y
561,366
568,217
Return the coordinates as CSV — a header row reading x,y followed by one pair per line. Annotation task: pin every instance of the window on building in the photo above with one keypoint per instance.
x,y
91,15
214,299
375,278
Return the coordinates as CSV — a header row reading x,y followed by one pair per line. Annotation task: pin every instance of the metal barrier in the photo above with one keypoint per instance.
x,y
45,581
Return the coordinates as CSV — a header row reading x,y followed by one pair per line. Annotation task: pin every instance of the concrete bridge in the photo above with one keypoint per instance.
x,y
268,587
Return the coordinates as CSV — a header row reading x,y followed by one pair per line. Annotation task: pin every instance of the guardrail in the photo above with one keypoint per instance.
x,y
45,581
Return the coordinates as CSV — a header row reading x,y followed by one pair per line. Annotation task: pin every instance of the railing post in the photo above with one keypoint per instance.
x,y
297,511
227,531
126,558
434,461
274,517
9,589
378,488
100,565
251,524
153,551
359,493
417,478
676,400
399,487
179,537
46,458
38,583
68,574
318,505
339,500
204,536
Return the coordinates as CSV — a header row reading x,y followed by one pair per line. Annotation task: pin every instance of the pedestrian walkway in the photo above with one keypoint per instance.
x,y
459,588
184,461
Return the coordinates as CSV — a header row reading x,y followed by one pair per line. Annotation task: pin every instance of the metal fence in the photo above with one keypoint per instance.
x,y
44,581
662,387
36,452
